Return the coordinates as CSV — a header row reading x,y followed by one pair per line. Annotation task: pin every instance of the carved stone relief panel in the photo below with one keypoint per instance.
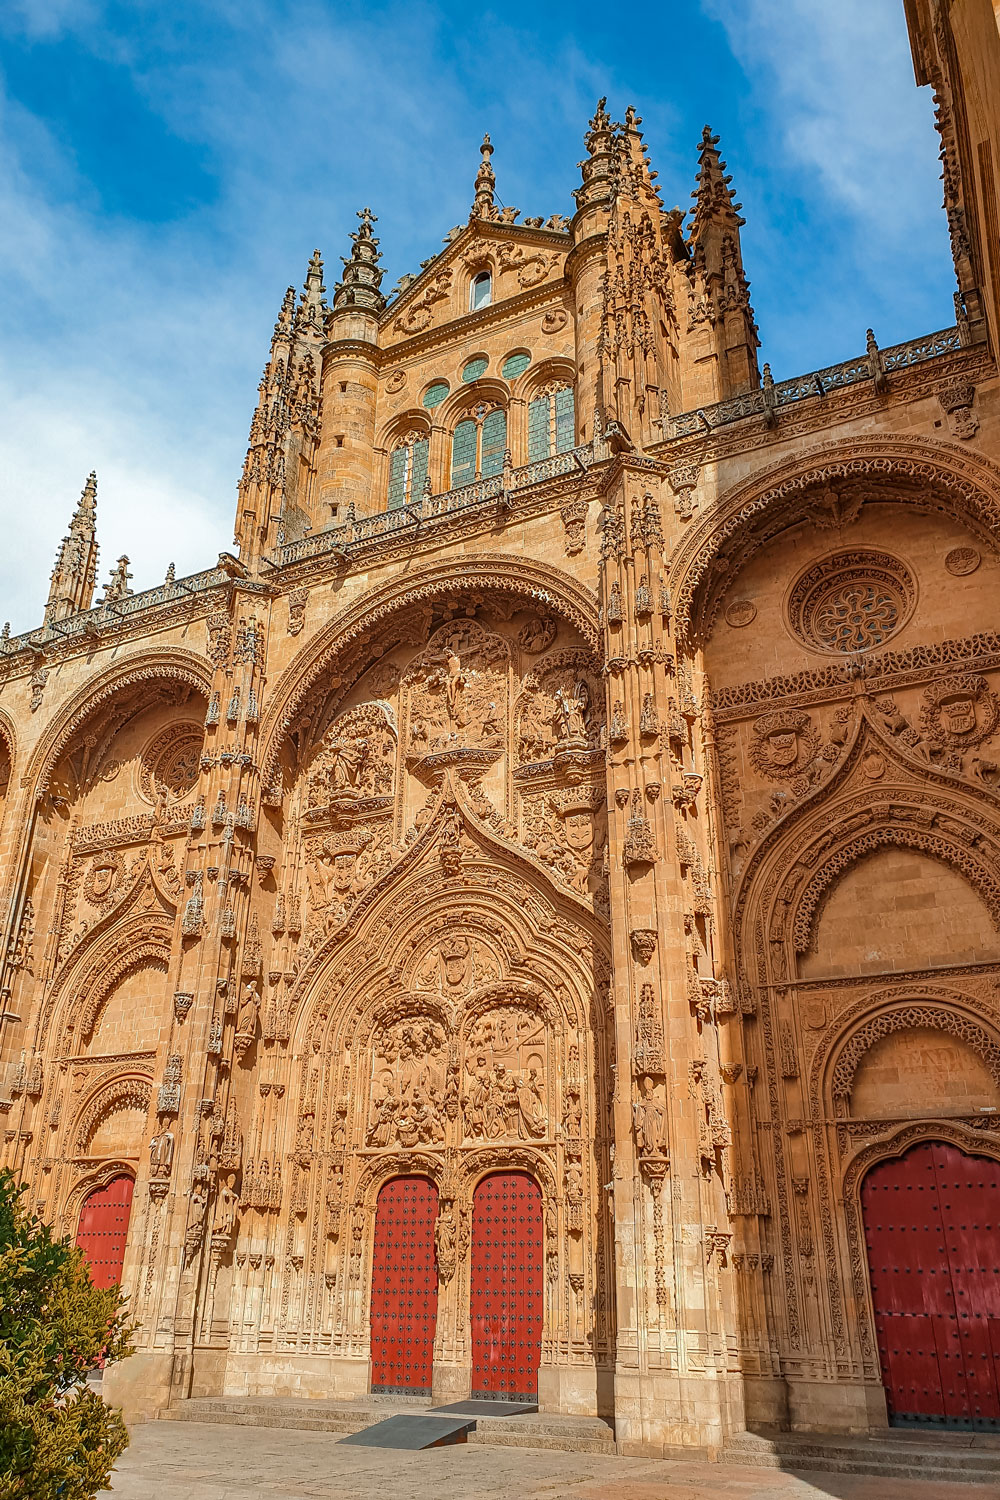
x,y
356,761
561,706
171,762
505,1068
409,1068
456,693
566,829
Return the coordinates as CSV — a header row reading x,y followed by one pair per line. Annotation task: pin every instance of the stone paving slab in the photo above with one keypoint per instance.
x,y
203,1461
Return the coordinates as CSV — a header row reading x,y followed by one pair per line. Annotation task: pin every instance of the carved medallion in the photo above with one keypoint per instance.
x,y
740,613
962,560
104,878
783,744
851,601
171,761
960,712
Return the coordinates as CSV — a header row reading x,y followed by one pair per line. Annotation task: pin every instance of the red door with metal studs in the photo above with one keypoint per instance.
x,y
104,1228
404,1287
505,1302
932,1231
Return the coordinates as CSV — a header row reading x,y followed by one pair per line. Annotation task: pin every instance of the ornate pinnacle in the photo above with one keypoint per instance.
x,y
483,206
362,278
117,586
312,308
714,198
75,572
597,167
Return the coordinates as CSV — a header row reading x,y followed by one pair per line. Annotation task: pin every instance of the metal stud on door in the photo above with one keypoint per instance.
x,y
505,1303
404,1287
932,1231
104,1228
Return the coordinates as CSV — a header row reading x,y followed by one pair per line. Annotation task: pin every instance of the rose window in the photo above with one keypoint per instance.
x,y
851,601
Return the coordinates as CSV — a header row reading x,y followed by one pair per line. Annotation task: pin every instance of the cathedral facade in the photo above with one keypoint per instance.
x,y
512,926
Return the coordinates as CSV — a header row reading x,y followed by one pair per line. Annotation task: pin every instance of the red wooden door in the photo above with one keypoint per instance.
x,y
104,1228
932,1230
505,1303
404,1286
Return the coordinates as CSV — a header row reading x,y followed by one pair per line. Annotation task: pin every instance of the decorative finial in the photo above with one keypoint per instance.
x,y
483,206
171,573
363,272
117,586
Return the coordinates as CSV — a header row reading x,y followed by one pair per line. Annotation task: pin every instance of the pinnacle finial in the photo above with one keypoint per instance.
x,y
714,197
117,586
363,271
483,206
312,308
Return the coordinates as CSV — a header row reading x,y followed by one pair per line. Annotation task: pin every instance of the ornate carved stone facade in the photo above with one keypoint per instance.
x,y
548,786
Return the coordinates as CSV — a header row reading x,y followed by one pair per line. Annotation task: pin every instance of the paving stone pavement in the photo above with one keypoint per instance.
x,y
203,1461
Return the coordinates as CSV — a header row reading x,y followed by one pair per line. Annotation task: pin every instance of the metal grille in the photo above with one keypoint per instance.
x,y
104,1229
932,1231
505,1303
404,1287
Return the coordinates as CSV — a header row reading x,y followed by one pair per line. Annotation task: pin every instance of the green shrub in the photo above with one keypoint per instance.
x,y
58,1440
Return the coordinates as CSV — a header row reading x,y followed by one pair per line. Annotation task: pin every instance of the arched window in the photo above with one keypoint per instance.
x,y
481,291
551,422
477,447
407,471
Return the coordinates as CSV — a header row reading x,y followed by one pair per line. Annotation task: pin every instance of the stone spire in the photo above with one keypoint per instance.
x,y
360,284
720,291
312,309
634,175
483,206
75,572
598,166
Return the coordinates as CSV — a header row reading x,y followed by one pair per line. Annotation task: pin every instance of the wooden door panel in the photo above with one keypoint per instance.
x,y
505,1304
103,1229
404,1287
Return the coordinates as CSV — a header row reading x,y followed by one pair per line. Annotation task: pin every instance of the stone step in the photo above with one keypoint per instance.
x,y
958,1457
556,1433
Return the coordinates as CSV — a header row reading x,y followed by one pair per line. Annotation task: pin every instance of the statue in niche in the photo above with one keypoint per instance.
x,y
161,1154
505,1072
561,706
457,690
408,1085
648,1118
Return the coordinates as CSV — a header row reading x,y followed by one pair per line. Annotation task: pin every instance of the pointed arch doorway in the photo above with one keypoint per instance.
x,y
103,1229
404,1287
506,1290
932,1234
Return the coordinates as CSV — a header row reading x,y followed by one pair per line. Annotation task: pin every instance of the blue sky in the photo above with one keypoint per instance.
x,y
166,170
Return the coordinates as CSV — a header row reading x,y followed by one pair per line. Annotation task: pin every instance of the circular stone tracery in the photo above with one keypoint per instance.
x,y
851,601
172,760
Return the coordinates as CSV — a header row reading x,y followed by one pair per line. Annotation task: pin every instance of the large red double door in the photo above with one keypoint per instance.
x,y
103,1230
932,1232
506,1287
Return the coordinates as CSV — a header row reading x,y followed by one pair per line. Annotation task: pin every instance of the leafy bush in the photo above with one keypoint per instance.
x,y
58,1440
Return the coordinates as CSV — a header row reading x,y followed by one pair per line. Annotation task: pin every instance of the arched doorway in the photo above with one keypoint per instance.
x,y
932,1233
404,1287
505,1302
103,1229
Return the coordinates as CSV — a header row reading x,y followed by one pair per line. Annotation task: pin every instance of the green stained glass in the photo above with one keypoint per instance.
x,y
435,394
463,454
565,426
419,474
494,443
398,463
538,429
515,365
474,369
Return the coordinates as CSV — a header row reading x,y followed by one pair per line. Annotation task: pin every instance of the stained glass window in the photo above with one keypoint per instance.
x,y
515,365
474,368
407,473
435,394
463,454
494,443
551,424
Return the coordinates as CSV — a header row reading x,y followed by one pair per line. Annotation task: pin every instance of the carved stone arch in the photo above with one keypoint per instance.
x,y
510,991
479,1163
844,1060
409,1005
150,666
385,615
536,378
127,1091
894,1143
893,998
109,951
928,475
382,1169
978,872
92,1178
8,742
462,400
414,419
